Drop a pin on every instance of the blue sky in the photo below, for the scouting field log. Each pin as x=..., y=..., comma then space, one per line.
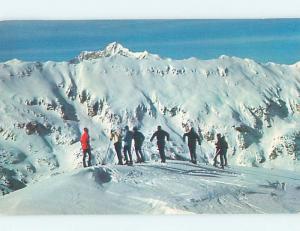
x=263, y=40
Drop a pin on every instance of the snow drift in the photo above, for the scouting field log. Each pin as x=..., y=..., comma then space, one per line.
x=177, y=187
x=44, y=106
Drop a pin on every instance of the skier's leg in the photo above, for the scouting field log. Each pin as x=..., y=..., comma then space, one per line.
x=118, y=148
x=129, y=153
x=142, y=154
x=125, y=153
x=162, y=153
x=191, y=153
x=215, y=158
x=225, y=157
x=89, y=157
x=83, y=159
x=194, y=153
x=222, y=160
x=136, y=148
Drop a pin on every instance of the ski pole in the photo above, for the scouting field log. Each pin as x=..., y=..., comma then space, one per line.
x=216, y=156
x=132, y=149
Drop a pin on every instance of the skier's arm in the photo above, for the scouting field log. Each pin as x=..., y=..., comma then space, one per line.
x=155, y=133
x=198, y=138
x=218, y=144
x=168, y=136
x=225, y=144
x=184, y=135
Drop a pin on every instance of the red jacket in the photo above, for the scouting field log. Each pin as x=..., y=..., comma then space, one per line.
x=85, y=141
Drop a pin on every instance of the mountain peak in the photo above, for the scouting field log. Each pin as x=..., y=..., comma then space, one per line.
x=110, y=50
x=114, y=48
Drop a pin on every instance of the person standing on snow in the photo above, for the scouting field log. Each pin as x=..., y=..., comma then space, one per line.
x=221, y=149
x=138, y=138
x=86, y=148
x=128, y=135
x=224, y=145
x=193, y=137
x=161, y=135
x=116, y=138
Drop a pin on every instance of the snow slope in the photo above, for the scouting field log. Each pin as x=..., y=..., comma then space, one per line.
x=44, y=107
x=177, y=187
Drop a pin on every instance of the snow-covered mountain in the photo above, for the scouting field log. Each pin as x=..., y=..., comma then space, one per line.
x=45, y=106
x=112, y=49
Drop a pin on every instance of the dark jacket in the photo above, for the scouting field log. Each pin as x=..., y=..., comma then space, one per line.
x=138, y=138
x=224, y=144
x=128, y=138
x=193, y=137
x=221, y=145
x=160, y=136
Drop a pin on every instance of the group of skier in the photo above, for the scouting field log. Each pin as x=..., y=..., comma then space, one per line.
x=117, y=136
x=128, y=136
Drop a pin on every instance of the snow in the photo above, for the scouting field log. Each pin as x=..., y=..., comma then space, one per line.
x=111, y=50
x=45, y=106
x=177, y=187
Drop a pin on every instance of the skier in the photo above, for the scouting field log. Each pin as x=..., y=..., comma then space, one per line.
x=86, y=148
x=193, y=137
x=128, y=135
x=224, y=145
x=221, y=150
x=116, y=138
x=138, y=138
x=160, y=136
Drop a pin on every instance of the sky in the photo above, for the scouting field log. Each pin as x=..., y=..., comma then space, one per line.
x=155, y=9
x=262, y=40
